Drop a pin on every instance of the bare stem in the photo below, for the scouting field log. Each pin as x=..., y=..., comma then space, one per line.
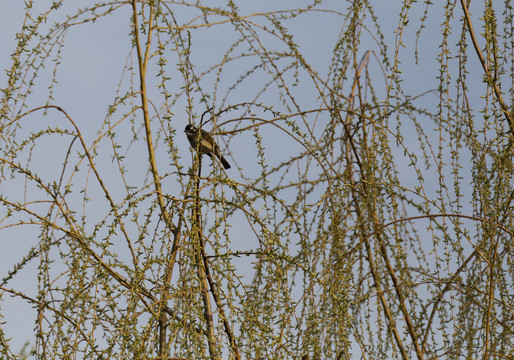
x=211, y=338
x=143, y=63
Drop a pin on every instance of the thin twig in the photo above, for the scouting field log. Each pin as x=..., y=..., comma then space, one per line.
x=492, y=81
x=143, y=63
x=211, y=338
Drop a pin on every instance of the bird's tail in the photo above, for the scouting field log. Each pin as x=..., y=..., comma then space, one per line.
x=224, y=162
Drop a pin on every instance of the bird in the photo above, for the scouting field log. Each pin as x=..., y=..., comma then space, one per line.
x=207, y=144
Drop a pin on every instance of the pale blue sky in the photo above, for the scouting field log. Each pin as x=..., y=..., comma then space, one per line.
x=92, y=62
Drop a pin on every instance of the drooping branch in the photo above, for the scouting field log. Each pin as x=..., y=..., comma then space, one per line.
x=490, y=78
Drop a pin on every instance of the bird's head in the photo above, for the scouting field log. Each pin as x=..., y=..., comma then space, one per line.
x=190, y=129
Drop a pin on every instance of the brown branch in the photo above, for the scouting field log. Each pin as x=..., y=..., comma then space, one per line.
x=490, y=302
x=114, y=207
x=440, y=297
x=362, y=225
x=492, y=80
x=214, y=292
x=41, y=305
x=430, y=216
x=211, y=338
x=204, y=274
x=143, y=62
x=397, y=287
x=74, y=234
x=365, y=239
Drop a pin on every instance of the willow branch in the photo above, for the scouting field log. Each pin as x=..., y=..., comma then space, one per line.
x=490, y=78
x=211, y=338
x=214, y=292
x=371, y=260
x=143, y=63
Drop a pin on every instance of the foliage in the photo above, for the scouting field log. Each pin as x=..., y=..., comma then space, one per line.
x=367, y=214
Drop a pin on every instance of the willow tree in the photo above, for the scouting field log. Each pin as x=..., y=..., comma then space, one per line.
x=368, y=209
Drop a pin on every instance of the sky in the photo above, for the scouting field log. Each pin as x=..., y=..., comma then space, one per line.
x=91, y=69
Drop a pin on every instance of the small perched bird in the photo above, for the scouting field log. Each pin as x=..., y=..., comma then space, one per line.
x=207, y=144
